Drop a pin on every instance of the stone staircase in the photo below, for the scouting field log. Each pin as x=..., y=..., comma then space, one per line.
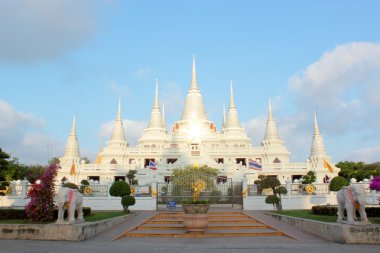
x=220, y=224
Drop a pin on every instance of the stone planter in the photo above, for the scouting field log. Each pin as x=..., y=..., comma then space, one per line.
x=195, y=218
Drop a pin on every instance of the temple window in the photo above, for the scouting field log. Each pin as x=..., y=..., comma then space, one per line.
x=119, y=178
x=242, y=160
x=276, y=160
x=113, y=161
x=171, y=160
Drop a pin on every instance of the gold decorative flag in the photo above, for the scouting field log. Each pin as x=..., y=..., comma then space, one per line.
x=328, y=166
x=72, y=171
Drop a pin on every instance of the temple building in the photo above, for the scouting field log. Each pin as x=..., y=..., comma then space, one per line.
x=194, y=140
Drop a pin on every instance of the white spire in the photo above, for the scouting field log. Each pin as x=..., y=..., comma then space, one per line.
x=163, y=115
x=156, y=106
x=224, y=116
x=270, y=115
x=317, y=145
x=233, y=117
x=118, y=127
x=194, y=85
x=194, y=109
x=271, y=129
x=232, y=100
x=156, y=117
x=72, y=146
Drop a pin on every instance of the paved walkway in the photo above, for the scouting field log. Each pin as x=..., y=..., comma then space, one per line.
x=104, y=243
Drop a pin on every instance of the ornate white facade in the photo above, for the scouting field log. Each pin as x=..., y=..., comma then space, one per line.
x=194, y=140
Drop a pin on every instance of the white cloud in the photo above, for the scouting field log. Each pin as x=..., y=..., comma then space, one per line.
x=38, y=30
x=171, y=95
x=343, y=86
x=23, y=136
x=143, y=73
x=369, y=155
x=133, y=130
x=255, y=128
x=119, y=89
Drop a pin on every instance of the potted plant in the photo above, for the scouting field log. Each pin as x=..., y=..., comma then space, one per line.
x=195, y=218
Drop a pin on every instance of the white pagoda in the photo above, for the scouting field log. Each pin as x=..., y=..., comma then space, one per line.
x=194, y=140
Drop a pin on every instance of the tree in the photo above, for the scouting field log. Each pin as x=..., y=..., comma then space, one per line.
x=358, y=170
x=122, y=189
x=187, y=176
x=3, y=164
x=274, y=184
x=86, y=160
x=54, y=160
x=131, y=177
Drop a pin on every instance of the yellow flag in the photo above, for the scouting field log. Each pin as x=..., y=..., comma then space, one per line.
x=72, y=171
x=196, y=165
x=328, y=166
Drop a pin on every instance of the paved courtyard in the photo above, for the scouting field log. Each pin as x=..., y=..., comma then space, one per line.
x=302, y=242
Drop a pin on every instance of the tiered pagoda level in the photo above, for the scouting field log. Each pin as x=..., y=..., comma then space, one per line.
x=193, y=140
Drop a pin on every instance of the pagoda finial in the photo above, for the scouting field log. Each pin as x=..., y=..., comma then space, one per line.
x=232, y=101
x=316, y=128
x=194, y=85
x=74, y=126
x=119, y=110
x=270, y=115
x=156, y=106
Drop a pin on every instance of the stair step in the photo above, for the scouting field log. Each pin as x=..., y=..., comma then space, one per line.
x=187, y=235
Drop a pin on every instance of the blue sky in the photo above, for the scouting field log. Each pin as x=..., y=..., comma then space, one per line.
x=60, y=58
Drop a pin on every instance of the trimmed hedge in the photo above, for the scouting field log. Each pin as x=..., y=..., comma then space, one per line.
x=333, y=210
x=7, y=214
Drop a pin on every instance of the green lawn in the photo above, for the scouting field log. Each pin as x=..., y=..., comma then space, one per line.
x=95, y=216
x=307, y=214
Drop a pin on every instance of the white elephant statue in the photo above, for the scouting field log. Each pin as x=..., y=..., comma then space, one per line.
x=71, y=200
x=352, y=198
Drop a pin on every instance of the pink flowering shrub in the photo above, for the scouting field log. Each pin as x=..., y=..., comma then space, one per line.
x=375, y=184
x=41, y=205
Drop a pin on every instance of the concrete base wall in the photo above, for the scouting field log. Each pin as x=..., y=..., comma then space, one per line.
x=336, y=232
x=76, y=232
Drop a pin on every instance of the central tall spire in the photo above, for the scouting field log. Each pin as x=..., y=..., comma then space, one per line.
x=194, y=108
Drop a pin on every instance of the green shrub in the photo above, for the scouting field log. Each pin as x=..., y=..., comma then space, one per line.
x=84, y=182
x=6, y=214
x=127, y=201
x=71, y=186
x=5, y=183
x=309, y=178
x=333, y=210
x=272, y=199
x=120, y=189
x=337, y=183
